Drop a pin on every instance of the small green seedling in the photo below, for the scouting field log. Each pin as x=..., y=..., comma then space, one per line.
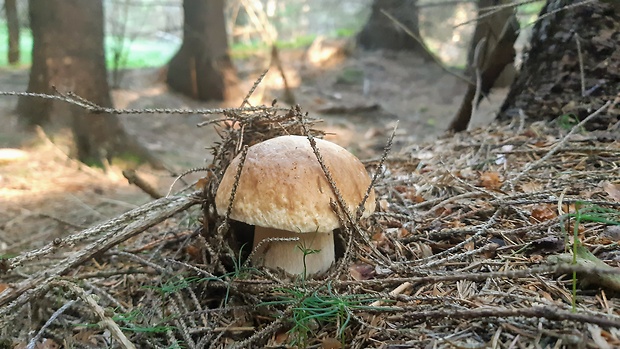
x=568, y=121
x=319, y=308
x=585, y=212
x=306, y=251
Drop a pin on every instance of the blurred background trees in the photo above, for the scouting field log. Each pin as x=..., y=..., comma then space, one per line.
x=197, y=43
x=12, y=25
x=68, y=56
x=380, y=32
x=202, y=68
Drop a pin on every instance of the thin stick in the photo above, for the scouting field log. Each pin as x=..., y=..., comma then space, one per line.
x=419, y=40
x=33, y=342
x=458, y=246
x=478, y=69
x=99, y=109
x=582, y=76
x=98, y=310
x=398, y=290
x=246, y=100
x=233, y=191
x=546, y=312
x=135, y=179
x=378, y=172
x=185, y=173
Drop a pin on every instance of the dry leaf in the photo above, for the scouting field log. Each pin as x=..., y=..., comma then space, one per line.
x=536, y=258
x=281, y=337
x=613, y=190
x=85, y=336
x=402, y=233
x=443, y=210
x=546, y=295
x=401, y=188
x=546, y=245
x=569, y=208
x=570, y=228
x=490, y=180
x=391, y=223
x=531, y=187
x=425, y=250
x=202, y=183
x=45, y=344
x=384, y=205
x=362, y=271
x=414, y=197
x=194, y=252
x=541, y=213
x=470, y=245
x=330, y=343
x=378, y=237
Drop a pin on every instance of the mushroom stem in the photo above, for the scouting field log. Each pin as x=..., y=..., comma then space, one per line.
x=288, y=256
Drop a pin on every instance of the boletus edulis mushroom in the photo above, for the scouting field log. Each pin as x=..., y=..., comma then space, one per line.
x=284, y=193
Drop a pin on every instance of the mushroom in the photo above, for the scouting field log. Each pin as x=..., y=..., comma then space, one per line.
x=284, y=193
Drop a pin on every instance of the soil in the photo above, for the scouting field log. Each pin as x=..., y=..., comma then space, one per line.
x=44, y=194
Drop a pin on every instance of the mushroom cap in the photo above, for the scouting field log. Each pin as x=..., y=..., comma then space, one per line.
x=282, y=185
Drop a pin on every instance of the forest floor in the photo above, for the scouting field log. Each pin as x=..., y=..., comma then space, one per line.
x=45, y=194
x=467, y=247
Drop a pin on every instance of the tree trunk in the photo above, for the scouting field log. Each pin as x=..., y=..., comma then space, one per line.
x=381, y=32
x=68, y=55
x=489, y=28
x=550, y=82
x=491, y=57
x=202, y=68
x=12, y=23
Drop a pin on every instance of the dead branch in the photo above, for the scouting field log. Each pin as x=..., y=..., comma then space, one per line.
x=107, y=322
x=93, y=108
x=116, y=231
x=289, y=97
x=546, y=312
x=135, y=179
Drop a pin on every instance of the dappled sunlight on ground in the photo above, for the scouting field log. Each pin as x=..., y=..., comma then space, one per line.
x=44, y=195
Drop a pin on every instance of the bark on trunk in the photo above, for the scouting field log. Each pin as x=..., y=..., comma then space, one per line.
x=68, y=55
x=550, y=83
x=202, y=68
x=12, y=23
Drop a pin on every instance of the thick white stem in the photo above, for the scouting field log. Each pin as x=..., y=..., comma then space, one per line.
x=288, y=256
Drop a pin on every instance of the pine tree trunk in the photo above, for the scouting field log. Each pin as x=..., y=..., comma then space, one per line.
x=12, y=23
x=202, y=68
x=489, y=28
x=550, y=82
x=68, y=55
x=381, y=32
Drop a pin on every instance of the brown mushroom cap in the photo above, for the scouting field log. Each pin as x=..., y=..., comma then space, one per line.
x=282, y=185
